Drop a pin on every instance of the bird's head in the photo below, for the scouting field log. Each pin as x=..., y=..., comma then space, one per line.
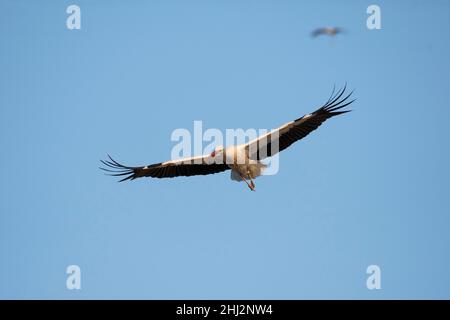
x=217, y=151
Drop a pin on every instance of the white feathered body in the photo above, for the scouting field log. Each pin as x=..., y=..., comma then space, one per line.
x=241, y=165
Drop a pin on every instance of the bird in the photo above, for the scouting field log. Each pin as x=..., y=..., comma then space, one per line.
x=244, y=160
x=330, y=31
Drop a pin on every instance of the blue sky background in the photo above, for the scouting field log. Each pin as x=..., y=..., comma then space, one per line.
x=368, y=188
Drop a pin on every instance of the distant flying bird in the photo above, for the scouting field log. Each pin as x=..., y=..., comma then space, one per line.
x=329, y=31
x=244, y=160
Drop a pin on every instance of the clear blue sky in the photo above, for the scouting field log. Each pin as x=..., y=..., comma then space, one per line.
x=370, y=187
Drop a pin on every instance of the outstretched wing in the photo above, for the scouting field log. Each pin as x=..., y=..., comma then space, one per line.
x=183, y=167
x=318, y=32
x=287, y=134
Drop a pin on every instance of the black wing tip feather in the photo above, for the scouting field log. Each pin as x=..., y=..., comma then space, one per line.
x=117, y=169
x=333, y=104
x=337, y=102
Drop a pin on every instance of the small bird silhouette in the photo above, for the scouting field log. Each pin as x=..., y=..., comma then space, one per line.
x=329, y=31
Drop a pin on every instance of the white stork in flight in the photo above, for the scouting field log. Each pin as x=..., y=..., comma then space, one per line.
x=244, y=160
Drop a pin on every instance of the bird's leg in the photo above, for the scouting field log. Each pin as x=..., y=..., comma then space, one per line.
x=251, y=180
x=250, y=186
